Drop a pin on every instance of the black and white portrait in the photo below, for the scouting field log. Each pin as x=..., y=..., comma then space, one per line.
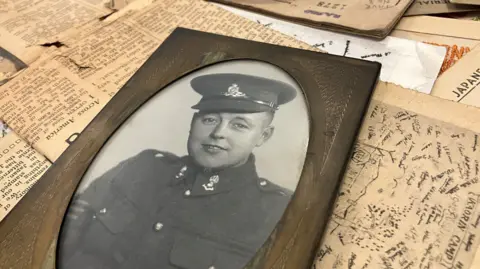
x=197, y=178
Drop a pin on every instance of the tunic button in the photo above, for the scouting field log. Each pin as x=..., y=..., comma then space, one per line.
x=263, y=183
x=158, y=226
x=187, y=192
x=211, y=267
x=103, y=211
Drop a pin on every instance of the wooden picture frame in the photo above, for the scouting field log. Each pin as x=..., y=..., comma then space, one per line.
x=9, y=66
x=337, y=91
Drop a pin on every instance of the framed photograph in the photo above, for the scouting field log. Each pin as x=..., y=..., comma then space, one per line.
x=219, y=153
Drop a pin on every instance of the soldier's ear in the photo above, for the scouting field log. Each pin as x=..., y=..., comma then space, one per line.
x=266, y=134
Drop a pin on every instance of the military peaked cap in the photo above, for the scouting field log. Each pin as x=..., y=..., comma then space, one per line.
x=241, y=93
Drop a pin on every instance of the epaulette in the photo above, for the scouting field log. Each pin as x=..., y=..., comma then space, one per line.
x=164, y=155
x=267, y=186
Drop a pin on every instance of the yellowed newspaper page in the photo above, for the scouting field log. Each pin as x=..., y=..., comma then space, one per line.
x=16, y=5
x=126, y=43
x=52, y=101
x=46, y=104
x=44, y=21
x=410, y=195
x=20, y=5
x=28, y=29
x=21, y=167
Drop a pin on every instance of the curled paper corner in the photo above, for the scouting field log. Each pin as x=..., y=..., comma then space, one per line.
x=430, y=67
x=427, y=52
x=413, y=65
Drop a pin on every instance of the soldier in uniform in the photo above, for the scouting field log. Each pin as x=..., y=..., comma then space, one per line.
x=206, y=210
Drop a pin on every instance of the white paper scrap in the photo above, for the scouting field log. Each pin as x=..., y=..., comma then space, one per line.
x=410, y=64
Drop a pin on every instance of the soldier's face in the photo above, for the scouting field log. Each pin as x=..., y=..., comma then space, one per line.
x=219, y=140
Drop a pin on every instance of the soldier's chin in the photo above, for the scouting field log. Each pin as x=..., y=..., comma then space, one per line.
x=210, y=163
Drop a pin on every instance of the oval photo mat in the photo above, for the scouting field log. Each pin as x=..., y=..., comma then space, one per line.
x=31, y=230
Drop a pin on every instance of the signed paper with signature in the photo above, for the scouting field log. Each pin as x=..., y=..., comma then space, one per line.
x=411, y=193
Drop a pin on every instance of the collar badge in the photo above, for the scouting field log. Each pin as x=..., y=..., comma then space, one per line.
x=210, y=186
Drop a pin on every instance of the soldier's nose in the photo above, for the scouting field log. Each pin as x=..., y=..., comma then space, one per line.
x=219, y=131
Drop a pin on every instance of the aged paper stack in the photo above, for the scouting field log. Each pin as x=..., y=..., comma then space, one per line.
x=410, y=194
x=422, y=7
x=471, y=2
x=336, y=15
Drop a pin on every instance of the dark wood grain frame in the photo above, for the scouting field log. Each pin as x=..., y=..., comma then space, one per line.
x=337, y=91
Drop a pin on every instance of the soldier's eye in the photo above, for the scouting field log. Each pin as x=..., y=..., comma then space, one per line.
x=240, y=126
x=209, y=120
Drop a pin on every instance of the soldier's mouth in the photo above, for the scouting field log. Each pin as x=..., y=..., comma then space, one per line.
x=213, y=148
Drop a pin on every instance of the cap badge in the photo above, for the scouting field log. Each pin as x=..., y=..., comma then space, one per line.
x=234, y=91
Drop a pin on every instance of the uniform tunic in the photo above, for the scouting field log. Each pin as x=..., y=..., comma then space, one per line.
x=156, y=210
